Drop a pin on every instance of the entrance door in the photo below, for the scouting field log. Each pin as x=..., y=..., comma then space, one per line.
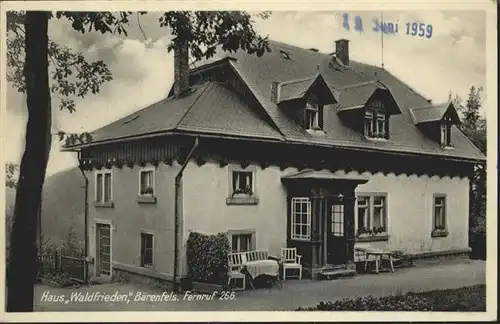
x=336, y=240
x=103, y=249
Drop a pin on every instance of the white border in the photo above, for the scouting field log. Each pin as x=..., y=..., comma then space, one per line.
x=491, y=104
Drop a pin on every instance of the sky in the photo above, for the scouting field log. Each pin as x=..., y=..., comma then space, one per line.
x=452, y=59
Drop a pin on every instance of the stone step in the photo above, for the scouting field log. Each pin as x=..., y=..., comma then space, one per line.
x=333, y=274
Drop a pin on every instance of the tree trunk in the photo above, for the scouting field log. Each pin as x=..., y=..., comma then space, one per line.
x=22, y=267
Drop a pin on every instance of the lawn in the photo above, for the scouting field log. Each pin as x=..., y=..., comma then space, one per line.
x=472, y=298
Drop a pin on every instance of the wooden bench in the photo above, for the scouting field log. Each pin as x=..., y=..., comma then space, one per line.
x=256, y=255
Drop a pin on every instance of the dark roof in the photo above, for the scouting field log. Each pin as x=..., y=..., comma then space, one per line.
x=297, y=89
x=210, y=108
x=356, y=95
x=294, y=89
x=432, y=113
x=202, y=112
x=259, y=72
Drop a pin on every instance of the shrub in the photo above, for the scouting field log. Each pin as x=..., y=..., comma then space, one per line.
x=463, y=299
x=207, y=257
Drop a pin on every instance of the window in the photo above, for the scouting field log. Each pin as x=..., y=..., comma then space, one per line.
x=301, y=219
x=312, y=115
x=146, y=250
x=241, y=242
x=147, y=182
x=439, y=212
x=375, y=124
x=285, y=55
x=445, y=134
x=371, y=214
x=243, y=183
x=338, y=220
x=103, y=188
x=380, y=127
x=369, y=123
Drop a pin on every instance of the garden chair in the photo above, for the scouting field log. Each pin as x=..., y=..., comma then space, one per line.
x=236, y=262
x=291, y=260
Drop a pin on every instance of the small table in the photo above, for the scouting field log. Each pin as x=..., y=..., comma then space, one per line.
x=378, y=254
x=253, y=269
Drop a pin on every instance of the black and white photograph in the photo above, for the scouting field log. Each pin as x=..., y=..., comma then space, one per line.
x=235, y=157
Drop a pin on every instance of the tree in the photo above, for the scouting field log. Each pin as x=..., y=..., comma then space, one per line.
x=29, y=52
x=474, y=127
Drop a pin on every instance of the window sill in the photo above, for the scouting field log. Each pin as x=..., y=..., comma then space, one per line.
x=107, y=204
x=376, y=139
x=439, y=233
x=319, y=132
x=239, y=200
x=373, y=238
x=146, y=199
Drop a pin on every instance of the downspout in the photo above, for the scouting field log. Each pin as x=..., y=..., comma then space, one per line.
x=178, y=179
x=86, y=216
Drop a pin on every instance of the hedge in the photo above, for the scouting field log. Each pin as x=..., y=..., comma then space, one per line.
x=463, y=299
x=207, y=257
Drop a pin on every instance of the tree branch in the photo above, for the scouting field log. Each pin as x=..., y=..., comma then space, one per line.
x=140, y=27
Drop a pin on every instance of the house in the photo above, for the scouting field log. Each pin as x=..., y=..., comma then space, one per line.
x=296, y=148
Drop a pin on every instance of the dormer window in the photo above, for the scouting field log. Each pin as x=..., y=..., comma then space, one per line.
x=313, y=111
x=375, y=124
x=445, y=131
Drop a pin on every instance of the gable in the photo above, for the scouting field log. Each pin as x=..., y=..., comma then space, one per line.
x=434, y=113
x=302, y=88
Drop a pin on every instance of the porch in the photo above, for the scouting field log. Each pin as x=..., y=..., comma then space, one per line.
x=320, y=220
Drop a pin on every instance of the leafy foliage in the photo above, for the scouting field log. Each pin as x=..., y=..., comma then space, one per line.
x=205, y=30
x=11, y=175
x=72, y=75
x=207, y=257
x=462, y=299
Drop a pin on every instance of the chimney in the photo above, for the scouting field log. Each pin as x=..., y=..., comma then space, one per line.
x=275, y=92
x=181, y=69
x=342, y=50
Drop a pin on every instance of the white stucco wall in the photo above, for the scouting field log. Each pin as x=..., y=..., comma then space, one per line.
x=410, y=198
x=129, y=218
x=205, y=190
x=410, y=211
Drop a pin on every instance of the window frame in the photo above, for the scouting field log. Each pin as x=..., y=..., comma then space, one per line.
x=149, y=233
x=369, y=217
x=445, y=129
x=443, y=231
x=243, y=232
x=312, y=108
x=143, y=170
x=103, y=186
x=380, y=133
x=293, y=223
x=368, y=120
x=242, y=199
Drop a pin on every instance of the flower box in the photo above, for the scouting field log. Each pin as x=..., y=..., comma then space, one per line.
x=439, y=233
x=146, y=199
